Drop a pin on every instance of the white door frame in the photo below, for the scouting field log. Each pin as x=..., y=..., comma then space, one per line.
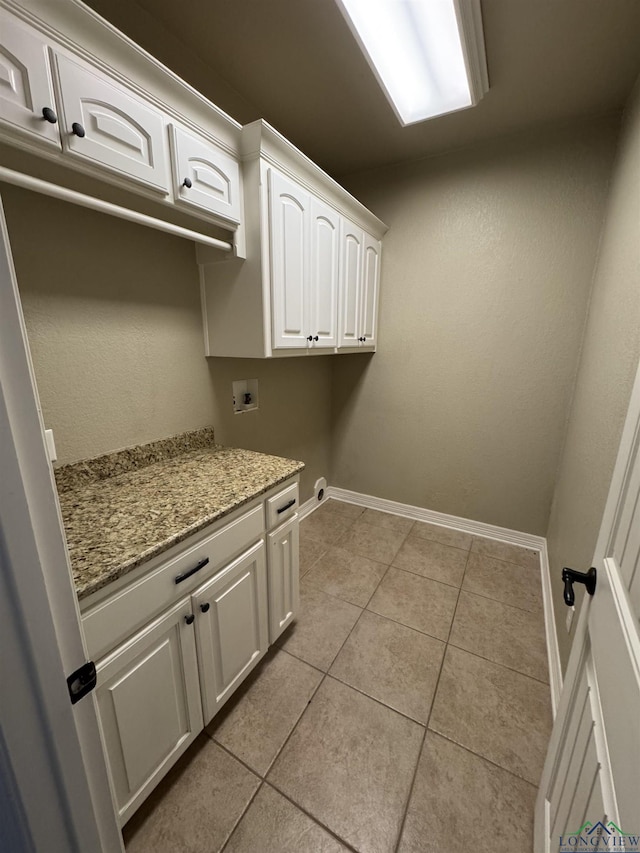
x=54, y=785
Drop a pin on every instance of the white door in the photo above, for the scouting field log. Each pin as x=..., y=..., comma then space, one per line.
x=148, y=699
x=289, y=243
x=26, y=95
x=104, y=123
x=231, y=627
x=351, y=251
x=284, y=592
x=51, y=758
x=370, y=288
x=589, y=795
x=204, y=176
x=323, y=285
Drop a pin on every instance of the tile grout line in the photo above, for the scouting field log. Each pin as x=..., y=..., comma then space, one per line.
x=426, y=727
x=499, y=663
x=237, y=823
x=484, y=758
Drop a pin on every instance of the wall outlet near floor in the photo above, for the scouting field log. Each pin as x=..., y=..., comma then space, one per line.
x=245, y=395
x=570, y=615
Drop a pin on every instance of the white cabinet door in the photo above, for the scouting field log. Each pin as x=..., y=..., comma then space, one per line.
x=25, y=85
x=231, y=627
x=104, y=123
x=289, y=244
x=148, y=701
x=284, y=587
x=204, y=176
x=369, y=292
x=323, y=284
x=351, y=256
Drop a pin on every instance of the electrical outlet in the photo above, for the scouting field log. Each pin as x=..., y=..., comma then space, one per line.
x=570, y=615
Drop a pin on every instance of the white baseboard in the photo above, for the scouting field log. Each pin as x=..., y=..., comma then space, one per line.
x=477, y=528
x=308, y=507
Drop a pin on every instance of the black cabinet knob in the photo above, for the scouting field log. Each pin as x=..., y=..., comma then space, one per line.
x=204, y=607
x=316, y=338
x=189, y=619
x=309, y=338
x=49, y=115
x=187, y=183
x=78, y=129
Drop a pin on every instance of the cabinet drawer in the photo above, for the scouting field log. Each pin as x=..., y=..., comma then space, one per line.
x=118, y=616
x=282, y=506
x=117, y=130
x=204, y=176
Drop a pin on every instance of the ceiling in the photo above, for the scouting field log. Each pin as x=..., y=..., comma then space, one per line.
x=296, y=64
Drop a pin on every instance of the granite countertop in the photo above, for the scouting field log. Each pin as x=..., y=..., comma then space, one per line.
x=124, y=508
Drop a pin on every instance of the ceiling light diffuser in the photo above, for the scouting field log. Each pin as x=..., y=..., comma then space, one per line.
x=428, y=55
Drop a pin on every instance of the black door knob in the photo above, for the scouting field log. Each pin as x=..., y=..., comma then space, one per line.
x=187, y=183
x=189, y=619
x=49, y=115
x=571, y=576
x=78, y=129
x=204, y=607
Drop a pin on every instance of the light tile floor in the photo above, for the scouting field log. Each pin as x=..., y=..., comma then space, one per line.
x=406, y=710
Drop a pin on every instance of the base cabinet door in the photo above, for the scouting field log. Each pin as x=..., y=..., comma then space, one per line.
x=284, y=586
x=231, y=627
x=148, y=700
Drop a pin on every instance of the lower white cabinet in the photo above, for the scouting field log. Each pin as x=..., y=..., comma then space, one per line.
x=148, y=699
x=235, y=590
x=231, y=627
x=284, y=588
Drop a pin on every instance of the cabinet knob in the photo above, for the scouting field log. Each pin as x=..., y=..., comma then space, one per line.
x=316, y=338
x=189, y=619
x=78, y=129
x=309, y=338
x=204, y=607
x=188, y=183
x=49, y=115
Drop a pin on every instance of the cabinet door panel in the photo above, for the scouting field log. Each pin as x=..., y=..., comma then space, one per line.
x=351, y=250
x=121, y=132
x=370, y=289
x=214, y=176
x=284, y=586
x=25, y=86
x=323, y=286
x=148, y=701
x=289, y=239
x=232, y=629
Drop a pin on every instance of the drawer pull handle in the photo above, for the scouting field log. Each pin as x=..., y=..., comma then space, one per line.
x=196, y=568
x=287, y=506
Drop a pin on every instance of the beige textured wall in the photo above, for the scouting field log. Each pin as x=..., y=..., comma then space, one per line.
x=114, y=323
x=486, y=272
x=607, y=368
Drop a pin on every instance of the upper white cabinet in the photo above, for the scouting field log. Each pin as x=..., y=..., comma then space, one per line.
x=92, y=101
x=204, y=176
x=323, y=275
x=359, y=286
x=289, y=209
x=26, y=94
x=104, y=123
x=311, y=277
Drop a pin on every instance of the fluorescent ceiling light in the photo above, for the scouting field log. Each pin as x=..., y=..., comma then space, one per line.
x=428, y=55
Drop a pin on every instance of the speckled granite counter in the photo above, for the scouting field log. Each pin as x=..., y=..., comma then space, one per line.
x=122, y=509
